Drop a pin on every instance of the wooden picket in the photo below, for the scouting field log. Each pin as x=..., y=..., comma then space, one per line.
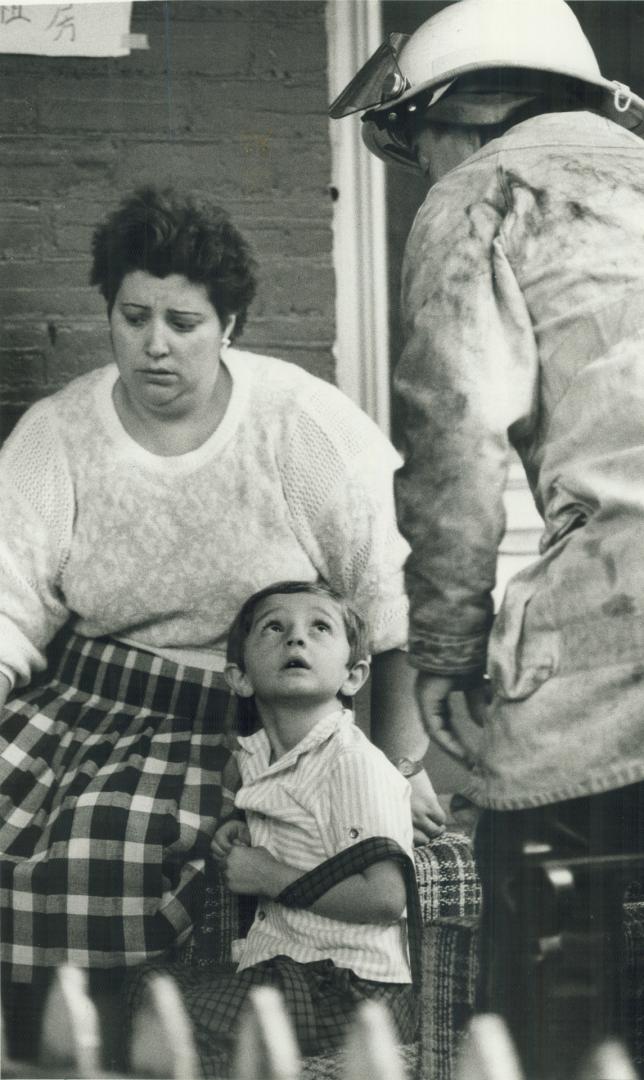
x=371, y=1052
x=162, y=1045
x=609, y=1060
x=488, y=1052
x=70, y=1028
x=266, y=1048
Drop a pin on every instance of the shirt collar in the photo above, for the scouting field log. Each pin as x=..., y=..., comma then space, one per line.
x=258, y=744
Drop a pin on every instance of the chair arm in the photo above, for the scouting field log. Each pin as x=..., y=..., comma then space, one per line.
x=449, y=887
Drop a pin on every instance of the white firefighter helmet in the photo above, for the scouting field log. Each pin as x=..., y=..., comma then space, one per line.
x=466, y=37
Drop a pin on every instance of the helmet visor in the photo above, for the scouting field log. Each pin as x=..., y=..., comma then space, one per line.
x=380, y=80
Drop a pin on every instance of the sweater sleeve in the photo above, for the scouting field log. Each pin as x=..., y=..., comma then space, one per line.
x=36, y=496
x=338, y=483
x=466, y=380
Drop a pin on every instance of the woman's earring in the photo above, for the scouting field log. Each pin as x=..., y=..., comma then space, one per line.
x=225, y=342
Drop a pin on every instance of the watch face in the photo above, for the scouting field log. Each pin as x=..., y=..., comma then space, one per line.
x=407, y=767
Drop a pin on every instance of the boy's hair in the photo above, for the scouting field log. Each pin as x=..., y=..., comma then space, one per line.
x=354, y=624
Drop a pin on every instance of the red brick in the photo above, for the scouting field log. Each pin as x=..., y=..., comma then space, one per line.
x=251, y=161
x=320, y=363
x=79, y=348
x=287, y=331
x=18, y=115
x=285, y=241
x=22, y=230
x=10, y=413
x=46, y=276
x=122, y=114
x=33, y=166
x=300, y=287
x=20, y=369
x=27, y=335
x=59, y=300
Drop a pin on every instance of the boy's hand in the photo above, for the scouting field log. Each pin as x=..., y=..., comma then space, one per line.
x=231, y=832
x=254, y=871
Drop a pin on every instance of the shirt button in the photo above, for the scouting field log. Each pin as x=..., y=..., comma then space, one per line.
x=354, y=833
x=261, y=915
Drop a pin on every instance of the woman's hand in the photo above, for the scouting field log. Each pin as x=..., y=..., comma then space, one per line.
x=396, y=727
x=231, y=832
x=5, y=687
x=427, y=813
x=254, y=871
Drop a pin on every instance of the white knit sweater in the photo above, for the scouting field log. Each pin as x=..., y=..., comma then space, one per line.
x=295, y=482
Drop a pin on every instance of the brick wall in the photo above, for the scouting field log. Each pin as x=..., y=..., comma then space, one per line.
x=229, y=99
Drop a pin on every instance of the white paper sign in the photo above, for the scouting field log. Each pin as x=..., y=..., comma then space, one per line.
x=80, y=29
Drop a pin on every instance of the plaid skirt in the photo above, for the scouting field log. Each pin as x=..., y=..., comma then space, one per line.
x=110, y=791
x=320, y=998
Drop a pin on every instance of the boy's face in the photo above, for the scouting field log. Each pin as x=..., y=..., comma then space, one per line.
x=297, y=648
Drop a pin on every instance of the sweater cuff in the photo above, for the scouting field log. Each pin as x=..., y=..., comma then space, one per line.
x=19, y=659
x=389, y=624
x=449, y=654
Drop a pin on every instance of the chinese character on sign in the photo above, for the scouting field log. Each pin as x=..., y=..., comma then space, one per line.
x=82, y=28
x=11, y=13
x=62, y=21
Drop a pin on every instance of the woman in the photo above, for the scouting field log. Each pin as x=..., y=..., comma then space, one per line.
x=142, y=503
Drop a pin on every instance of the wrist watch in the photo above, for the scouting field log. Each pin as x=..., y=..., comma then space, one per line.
x=409, y=768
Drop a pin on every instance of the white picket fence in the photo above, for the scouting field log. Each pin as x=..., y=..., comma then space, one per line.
x=162, y=1046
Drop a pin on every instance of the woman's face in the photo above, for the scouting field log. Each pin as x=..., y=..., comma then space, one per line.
x=166, y=337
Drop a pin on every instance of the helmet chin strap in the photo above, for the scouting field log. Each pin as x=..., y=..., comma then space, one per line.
x=622, y=98
x=627, y=108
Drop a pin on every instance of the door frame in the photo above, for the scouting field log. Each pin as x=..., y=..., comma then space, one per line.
x=361, y=350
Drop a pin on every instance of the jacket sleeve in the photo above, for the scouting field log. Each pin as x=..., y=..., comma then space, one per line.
x=466, y=379
x=37, y=509
x=337, y=475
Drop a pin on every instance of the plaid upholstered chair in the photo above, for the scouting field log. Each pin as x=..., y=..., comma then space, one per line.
x=450, y=902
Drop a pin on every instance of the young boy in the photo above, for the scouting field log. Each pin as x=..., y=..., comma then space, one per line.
x=327, y=842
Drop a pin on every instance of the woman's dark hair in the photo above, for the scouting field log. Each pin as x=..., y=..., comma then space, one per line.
x=247, y=718
x=164, y=232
